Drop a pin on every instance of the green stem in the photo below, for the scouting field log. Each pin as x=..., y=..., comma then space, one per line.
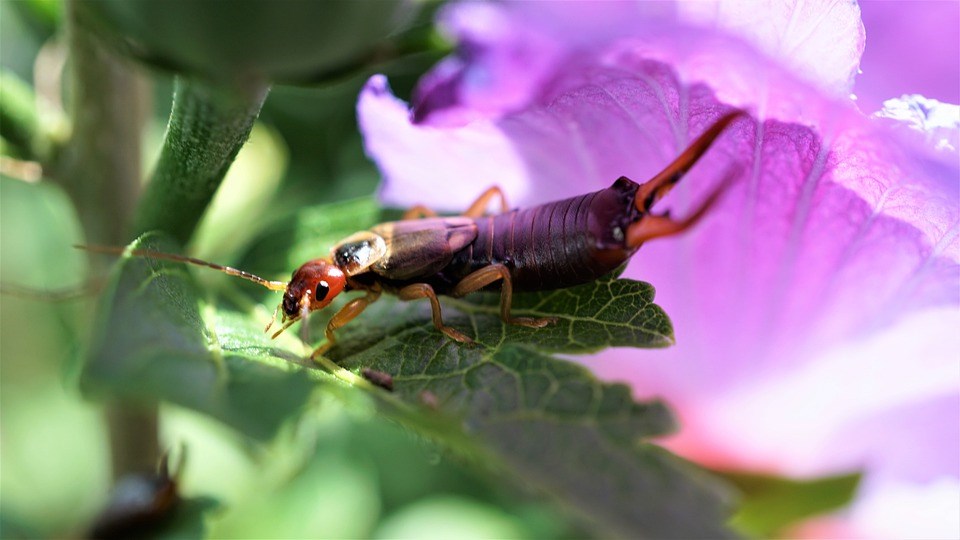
x=208, y=125
x=100, y=165
x=134, y=438
x=99, y=168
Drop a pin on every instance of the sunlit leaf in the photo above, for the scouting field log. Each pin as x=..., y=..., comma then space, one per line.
x=152, y=343
x=543, y=421
x=771, y=504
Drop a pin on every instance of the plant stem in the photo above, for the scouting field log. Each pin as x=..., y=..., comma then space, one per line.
x=134, y=438
x=100, y=170
x=100, y=165
x=208, y=125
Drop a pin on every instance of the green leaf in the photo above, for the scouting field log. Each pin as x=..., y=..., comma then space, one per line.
x=547, y=421
x=19, y=122
x=208, y=125
x=770, y=504
x=544, y=422
x=188, y=519
x=307, y=234
x=152, y=343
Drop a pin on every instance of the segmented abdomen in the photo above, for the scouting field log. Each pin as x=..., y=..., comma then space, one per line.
x=555, y=245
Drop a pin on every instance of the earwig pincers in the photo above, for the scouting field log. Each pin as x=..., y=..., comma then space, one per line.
x=551, y=246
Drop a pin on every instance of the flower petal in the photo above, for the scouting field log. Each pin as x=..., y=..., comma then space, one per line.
x=793, y=32
x=424, y=164
x=873, y=238
x=912, y=47
x=507, y=51
x=816, y=300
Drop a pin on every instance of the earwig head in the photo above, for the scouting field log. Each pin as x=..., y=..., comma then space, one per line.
x=317, y=282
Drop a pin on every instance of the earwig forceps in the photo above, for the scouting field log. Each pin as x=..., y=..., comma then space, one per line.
x=555, y=245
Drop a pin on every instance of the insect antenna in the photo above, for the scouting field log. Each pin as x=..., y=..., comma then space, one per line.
x=272, y=285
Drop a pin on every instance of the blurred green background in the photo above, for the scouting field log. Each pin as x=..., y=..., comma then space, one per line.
x=339, y=470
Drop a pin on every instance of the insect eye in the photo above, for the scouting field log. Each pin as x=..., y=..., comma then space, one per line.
x=322, y=289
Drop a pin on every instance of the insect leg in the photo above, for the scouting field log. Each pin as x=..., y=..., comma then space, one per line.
x=419, y=211
x=489, y=274
x=423, y=290
x=346, y=314
x=477, y=209
x=479, y=206
x=654, y=189
x=273, y=319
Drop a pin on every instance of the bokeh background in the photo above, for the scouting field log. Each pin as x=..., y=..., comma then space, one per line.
x=334, y=473
x=342, y=471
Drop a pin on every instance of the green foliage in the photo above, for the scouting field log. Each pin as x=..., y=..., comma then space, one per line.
x=51, y=444
x=187, y=520
x=151, y=343
x=208, y=126
x=19, y=124
x=771, y=504
x=545, y=422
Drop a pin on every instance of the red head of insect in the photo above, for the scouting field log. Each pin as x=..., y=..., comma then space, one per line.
x=313, y=286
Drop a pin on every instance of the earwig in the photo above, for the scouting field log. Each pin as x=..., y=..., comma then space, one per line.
x=551, y=246
x=141, y=504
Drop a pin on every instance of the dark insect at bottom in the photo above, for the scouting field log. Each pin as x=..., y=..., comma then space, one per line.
x=140, y=505
x=554, y=245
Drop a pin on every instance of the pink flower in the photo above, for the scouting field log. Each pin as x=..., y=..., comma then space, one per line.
x=816, y=309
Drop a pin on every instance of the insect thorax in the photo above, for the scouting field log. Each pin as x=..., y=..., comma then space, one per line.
x=358, y=252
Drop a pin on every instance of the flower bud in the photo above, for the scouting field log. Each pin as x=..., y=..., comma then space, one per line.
x=284, y=41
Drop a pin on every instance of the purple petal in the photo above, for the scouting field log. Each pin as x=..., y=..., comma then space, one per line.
x=417, y=161
x=816, y=244
x=912, y=47
x=507, y=51
x=815, y=308
x=821, y=41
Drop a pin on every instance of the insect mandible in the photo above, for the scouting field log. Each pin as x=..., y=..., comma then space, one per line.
x=551, y=246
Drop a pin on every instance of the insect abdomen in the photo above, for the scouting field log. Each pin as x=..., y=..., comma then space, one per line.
x=555, y=245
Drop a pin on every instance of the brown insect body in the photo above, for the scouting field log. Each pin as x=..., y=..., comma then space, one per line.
x=551, y=246
x=420, y=248
x=554, y=245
